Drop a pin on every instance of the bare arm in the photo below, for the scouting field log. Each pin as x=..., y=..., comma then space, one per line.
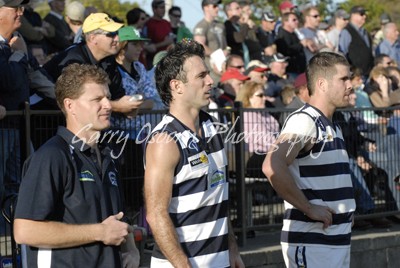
x=162, y=156
x=125, y=106
x=275, y=167
x=234, y=254
x=202, y=40
x=50, y=234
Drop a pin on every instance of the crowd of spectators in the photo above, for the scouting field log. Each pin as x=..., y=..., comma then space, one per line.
x=266, y=56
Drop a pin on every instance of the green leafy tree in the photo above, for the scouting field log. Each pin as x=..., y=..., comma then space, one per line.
x=115, y=8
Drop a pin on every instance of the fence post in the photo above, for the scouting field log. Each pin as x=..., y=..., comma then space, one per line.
x=28, y=129
x=240, y=174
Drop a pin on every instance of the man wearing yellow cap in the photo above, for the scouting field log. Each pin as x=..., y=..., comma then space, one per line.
x=101, y=40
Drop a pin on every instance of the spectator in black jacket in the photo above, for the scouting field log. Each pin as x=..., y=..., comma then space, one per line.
x=266, y=34
x=101, y=45
x=356, y=43
x=290, y=45
x=63, y=37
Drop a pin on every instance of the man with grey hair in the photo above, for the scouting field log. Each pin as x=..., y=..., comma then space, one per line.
x=390, y=44
x=63, y=37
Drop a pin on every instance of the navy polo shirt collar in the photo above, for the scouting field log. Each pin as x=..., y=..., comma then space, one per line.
x=72, y=139
x=79, y=144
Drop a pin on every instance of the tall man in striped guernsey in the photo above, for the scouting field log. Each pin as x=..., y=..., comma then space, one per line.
x=310, y=171
x=186, y=188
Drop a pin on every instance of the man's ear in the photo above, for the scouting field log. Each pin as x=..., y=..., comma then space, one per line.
x=69, y=106
x=176, y=86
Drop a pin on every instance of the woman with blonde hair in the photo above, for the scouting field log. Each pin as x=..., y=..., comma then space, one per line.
x=379, y=87
x=260, y=127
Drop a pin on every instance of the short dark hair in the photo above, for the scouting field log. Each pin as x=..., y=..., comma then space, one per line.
x=133, y=15
x=230, y=58
x=171, y=66
x=174, y=8
x=69, y=84
x=379, y=58
x=323, y=64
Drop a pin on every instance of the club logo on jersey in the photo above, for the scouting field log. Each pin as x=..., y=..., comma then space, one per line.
x=192, y=145
x=113, y=178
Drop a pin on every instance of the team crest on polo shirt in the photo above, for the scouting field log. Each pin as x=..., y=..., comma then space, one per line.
x=86, y=175
x=113, y=178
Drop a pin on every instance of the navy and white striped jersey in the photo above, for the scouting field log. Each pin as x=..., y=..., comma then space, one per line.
x=199, y=201
x=323, y=174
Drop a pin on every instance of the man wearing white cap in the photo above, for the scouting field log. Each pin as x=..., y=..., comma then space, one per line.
x=63, y=37
x=14, y=91
x=266, y=34
x=277, y=78
x=74, y=16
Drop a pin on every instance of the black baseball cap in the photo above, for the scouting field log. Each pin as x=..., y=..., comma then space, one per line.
x=358, y=9
x=210, y=2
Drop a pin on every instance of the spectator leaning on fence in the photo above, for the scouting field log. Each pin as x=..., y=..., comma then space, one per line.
x=69, y=207
x=310, y=171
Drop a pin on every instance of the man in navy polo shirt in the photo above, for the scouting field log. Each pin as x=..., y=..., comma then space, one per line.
x=69, y=210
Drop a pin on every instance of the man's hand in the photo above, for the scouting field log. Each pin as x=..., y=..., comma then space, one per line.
x=18, y=44
x=236, y=261
x=126, y=106
x=321, y=213
x=115, y=231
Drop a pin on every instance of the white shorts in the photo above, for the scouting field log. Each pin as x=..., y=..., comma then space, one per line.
x=315, y=257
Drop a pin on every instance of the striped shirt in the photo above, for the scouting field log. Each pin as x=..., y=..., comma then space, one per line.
x=323, y=175
x=199, y=201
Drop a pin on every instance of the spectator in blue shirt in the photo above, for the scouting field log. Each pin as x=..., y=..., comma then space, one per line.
x=136, y=82
x=390, y=44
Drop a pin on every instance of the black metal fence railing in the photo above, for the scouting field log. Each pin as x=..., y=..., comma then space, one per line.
x=371, y=137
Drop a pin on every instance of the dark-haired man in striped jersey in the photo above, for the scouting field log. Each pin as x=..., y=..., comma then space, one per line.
x=310, y=170
x=186, y=187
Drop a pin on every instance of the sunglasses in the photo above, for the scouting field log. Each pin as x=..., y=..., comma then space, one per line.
x=110, y=34
x=178, y=16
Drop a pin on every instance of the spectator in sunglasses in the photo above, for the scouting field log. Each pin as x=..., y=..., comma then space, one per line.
x=355, y=42
x=178, y=27
x=260, y=126
x=101, y=41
